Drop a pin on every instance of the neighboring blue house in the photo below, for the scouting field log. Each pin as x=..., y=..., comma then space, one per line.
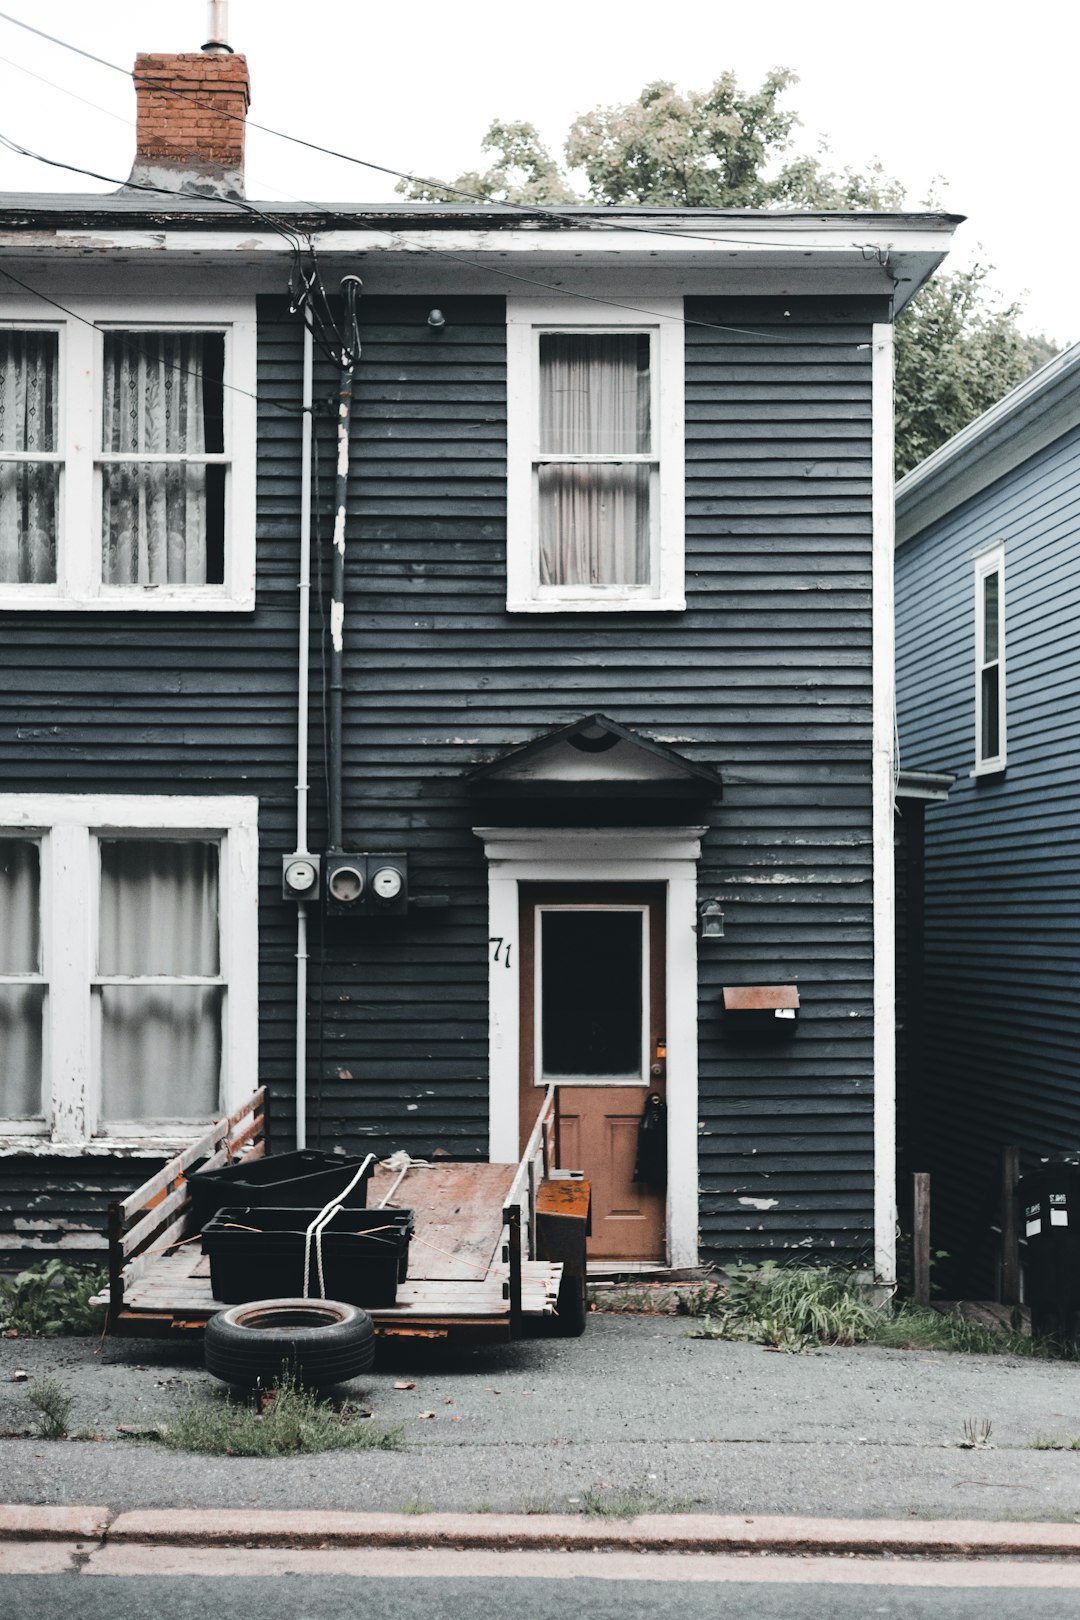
x=600, y=651
x=988, y=685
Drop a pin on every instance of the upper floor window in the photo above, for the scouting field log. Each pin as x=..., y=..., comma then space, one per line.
x=127, y=458
x=990, y=661
x=595, y=458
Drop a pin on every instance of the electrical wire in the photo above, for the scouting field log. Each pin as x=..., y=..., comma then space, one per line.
x=325, y=327
x=135, y=348
x=531, y=210
x=40, y=77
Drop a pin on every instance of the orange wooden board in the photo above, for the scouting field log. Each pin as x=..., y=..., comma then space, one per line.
x=458, y=1212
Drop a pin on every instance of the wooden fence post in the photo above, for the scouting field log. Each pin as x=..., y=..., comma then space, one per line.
x=920, y=1238
x=1010, y=1227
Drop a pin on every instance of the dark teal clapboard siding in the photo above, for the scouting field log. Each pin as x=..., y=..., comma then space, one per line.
x=1002, y=1025
x=767, y=675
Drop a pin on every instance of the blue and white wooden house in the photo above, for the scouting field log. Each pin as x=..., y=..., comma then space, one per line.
x=614, y=636
x=988, y=690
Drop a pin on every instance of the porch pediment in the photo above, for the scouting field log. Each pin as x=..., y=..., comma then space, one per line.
x=594, y=758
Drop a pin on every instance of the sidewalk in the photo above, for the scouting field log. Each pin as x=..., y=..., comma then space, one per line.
x=635, y=1418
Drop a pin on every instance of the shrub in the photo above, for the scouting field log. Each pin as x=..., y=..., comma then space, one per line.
x=52, y=1298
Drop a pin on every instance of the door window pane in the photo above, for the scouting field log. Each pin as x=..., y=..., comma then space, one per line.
x=591, y=994
x=29, y=490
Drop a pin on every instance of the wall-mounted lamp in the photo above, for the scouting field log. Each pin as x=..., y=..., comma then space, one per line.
x=710, y=920
x=436, y=319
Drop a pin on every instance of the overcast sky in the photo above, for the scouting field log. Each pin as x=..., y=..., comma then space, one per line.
x=984, y=98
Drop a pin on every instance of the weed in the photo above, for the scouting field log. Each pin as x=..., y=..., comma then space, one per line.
x=417, y=1504
x=976, y=1434
x=52, y=1298
x=291, y=1419
x=1047, y=1442
x=790, y=1308
x=911, y=1327
x=640, y=1299
x=603, y=1502
x=53, y=1407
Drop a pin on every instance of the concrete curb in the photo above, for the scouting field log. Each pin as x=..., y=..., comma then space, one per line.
x=19, y=1522
x=236, y=1527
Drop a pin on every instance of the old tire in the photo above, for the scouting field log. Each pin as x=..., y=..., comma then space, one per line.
x=319, y=1341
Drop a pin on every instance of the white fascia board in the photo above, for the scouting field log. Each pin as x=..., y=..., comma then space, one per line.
x=1042, y=408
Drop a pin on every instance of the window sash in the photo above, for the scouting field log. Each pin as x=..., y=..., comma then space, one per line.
x=529, y=453
x=81, y=572
x=990, y=740
x=69, y=827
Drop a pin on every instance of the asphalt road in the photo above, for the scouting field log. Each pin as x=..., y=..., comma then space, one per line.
x=48, y=1597
x=635, y=1412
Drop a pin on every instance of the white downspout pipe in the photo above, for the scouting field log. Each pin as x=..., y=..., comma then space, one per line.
x=302, y=682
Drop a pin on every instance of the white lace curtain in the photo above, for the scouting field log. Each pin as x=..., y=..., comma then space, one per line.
x=595, y=396
x=155, y=513
x=20, y=1004
x=158, y=916
x=29, y=490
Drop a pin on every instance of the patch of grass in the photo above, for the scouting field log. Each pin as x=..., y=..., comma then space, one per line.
x=790, y=1308
x=52, y=1298
x=604, y=1502
x=796, y=1308
x=53, y=1406
x=275, y=1423
x=1048, y=1442
x=641, y=1299
x=417, y=1504
x=912, y=1327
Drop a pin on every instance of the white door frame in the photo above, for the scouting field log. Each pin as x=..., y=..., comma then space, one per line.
x=666, y=855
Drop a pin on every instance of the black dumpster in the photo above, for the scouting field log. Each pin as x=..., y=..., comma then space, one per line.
x=1050, y=1224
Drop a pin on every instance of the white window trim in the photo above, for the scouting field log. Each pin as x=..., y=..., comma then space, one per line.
x=68, y=826
x=79, y=542
x=640, y=1080
x=989, y=562
x=526, y=318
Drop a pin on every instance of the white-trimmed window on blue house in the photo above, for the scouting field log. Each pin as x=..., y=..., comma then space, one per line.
x=595, y=457
x=990, y=661
x=128, y=979
x=127, y=455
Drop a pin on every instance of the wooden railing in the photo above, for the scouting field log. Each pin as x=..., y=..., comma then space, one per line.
x=156, y=1214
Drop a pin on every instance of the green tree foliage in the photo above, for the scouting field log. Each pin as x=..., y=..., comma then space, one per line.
x=958, y=348
x=958, y=351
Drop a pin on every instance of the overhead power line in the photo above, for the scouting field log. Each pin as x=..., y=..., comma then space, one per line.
x=530, y=210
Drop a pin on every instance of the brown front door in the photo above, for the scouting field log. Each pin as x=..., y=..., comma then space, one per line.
x=593, y=1024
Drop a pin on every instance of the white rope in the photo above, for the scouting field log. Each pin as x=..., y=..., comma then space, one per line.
x=314, y=1233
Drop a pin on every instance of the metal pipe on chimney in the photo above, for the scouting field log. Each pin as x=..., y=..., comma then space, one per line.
x=217, y=28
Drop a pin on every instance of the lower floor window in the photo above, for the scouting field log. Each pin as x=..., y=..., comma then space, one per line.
x=127, y=978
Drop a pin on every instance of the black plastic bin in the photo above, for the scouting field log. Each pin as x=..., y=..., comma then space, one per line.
x=1050, y=1224
x=259, y=1254
x=302, y=1180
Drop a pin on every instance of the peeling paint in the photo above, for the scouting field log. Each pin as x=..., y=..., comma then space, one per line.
x=339, y=529
x=760, y=1203
x=337, y=624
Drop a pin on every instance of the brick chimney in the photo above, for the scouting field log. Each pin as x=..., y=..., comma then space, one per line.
x=190, y=128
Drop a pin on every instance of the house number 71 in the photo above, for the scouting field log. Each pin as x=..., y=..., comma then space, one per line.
x=501, y=946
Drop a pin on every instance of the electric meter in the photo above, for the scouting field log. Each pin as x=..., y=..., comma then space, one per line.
x=387, y=883
x=300, y=877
